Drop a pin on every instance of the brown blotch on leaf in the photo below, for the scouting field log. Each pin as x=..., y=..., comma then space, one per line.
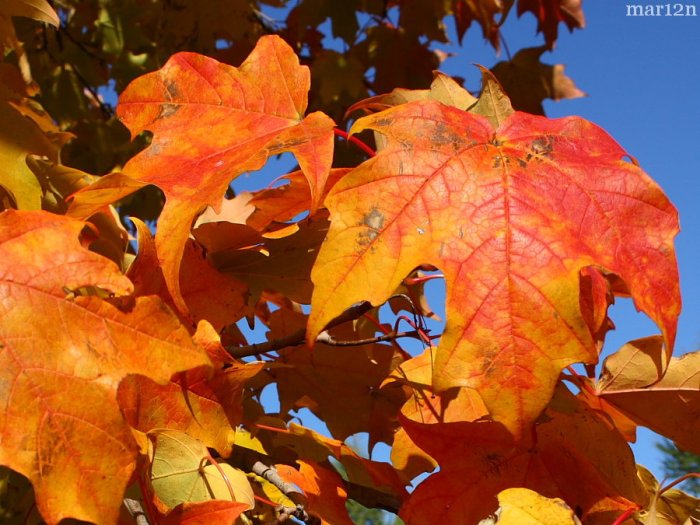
x=167, y=110
x=374, y=220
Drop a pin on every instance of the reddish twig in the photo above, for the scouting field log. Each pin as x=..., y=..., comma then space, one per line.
x=623, y=517
x=679, y=480
x=423, y=278
x=580, y=381
x=357, y=142
x=271, y=429
x=223, y=475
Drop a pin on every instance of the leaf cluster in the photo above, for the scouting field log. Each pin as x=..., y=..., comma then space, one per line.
x=130, y=383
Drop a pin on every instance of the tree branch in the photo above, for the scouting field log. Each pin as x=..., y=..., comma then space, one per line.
x=136, y=510
x=326, y=338
x=298, y=337
x=288, y=489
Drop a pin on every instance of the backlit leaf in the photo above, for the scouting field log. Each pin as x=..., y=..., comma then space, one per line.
x=212, y=122
x=574, y=455
x=511, y=215
x=62, y=357
x=664, y=399
x=672, y=507
x=339, y=384
x=526, y=507
x=180, y=473
x=528, y=81
x=197, y=279
x=19, y=137
x=550, y=12
x=37, y=9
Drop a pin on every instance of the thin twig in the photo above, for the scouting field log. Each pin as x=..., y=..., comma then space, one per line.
x=357, y=142
x=294, y=339
x=270, y=474
x=284, y=513
x=298, y=337
x=326, y=338
x=136, y=510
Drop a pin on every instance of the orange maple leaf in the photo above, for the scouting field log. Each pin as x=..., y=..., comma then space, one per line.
x=62, y=356
x=212, y=122
x=512, y=208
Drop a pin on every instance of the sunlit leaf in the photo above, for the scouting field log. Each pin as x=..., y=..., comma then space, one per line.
x=210, y=123
x=636, y=381
x=63, y=356
x=526, y=507
x=511, y=215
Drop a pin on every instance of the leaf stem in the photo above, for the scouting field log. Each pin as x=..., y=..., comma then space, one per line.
x=357, y=142
x=679, y=480
x=223, y=475
x=422, y=279
x=622, y=517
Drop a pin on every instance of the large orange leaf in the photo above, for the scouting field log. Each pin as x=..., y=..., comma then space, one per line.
x=61, y=360
x=573, y=455
x=663, y=398
x=210, y=123
x=512, y=209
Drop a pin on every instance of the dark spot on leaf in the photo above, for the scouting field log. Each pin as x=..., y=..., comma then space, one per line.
x=443, y=135
x=374, y=220
x=167, y=110
x=542, y=146
x=172, y=90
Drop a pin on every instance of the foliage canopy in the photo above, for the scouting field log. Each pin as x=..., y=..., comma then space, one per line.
x=124, y=370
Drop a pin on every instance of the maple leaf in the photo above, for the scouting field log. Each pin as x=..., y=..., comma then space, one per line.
x=62, y=357
x=210, y=123
x=274, y=207
x=550, y=12
x=512, y=208
x=197, y=279
x=573, y=455
x=663, y=397
x=526, y=507
x=285, y=265
x=528, y=81
x=671, y=507
x=206, y=406
x=178, y=475
x=425, y=405
x=481, y=11
x=20, y=137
